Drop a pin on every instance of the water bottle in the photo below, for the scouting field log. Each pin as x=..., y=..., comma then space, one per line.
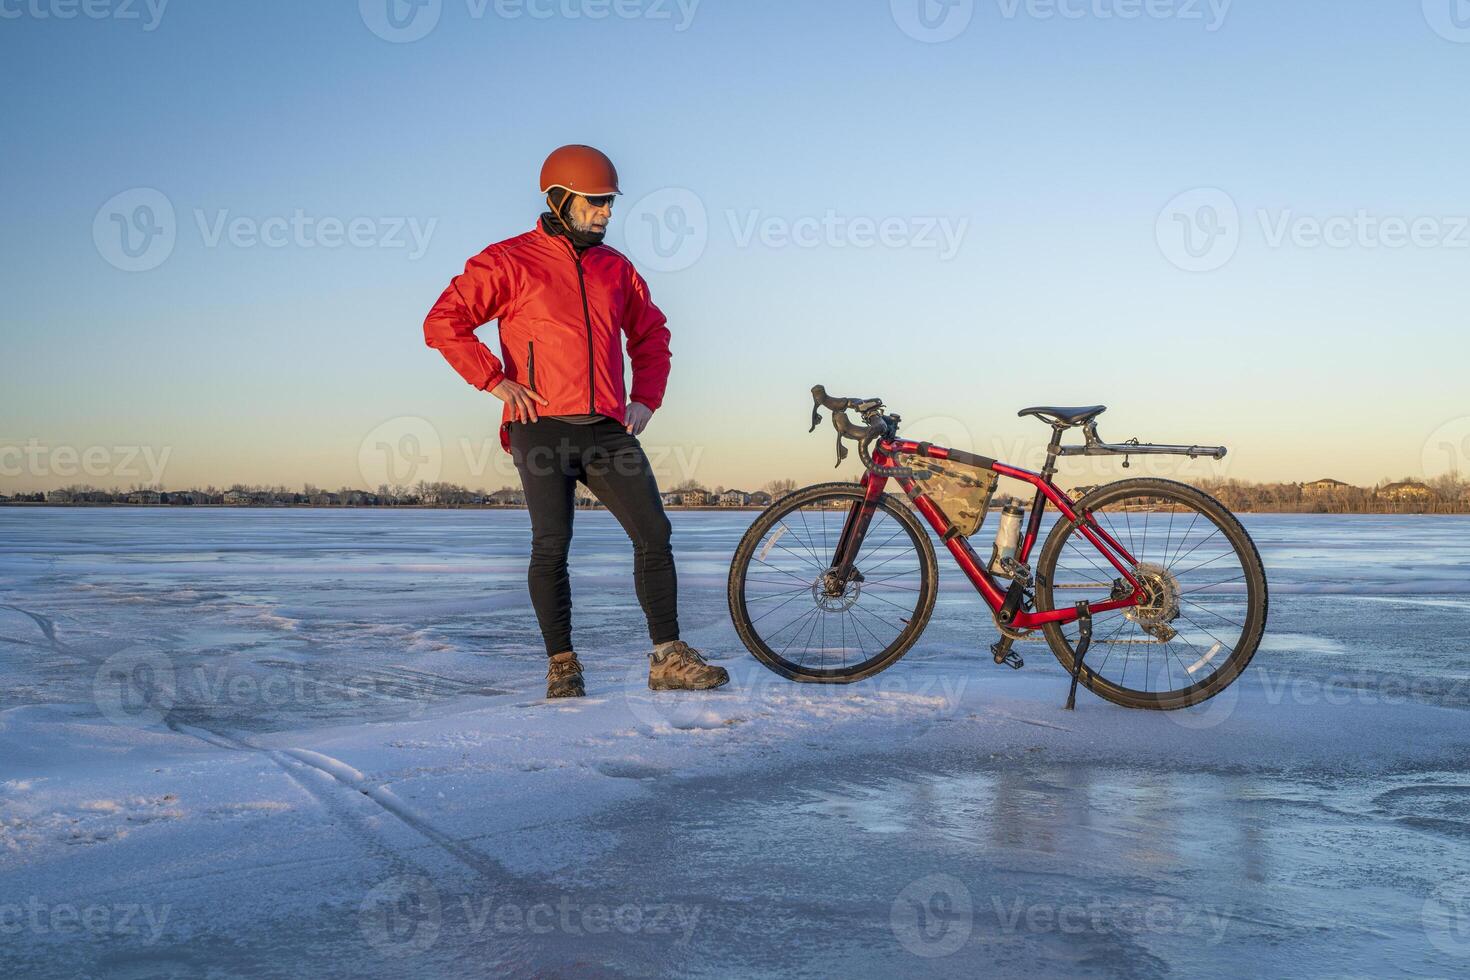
x=1007, y=537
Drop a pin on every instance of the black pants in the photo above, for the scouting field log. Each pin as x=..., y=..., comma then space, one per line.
x=552, y=456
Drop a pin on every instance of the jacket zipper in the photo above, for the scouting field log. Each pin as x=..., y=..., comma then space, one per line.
x=531, y=363
x=587, y=320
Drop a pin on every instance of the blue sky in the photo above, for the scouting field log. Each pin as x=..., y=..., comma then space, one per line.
x=1033, y=176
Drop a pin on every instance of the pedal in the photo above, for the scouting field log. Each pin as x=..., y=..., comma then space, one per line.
x=1003, y=654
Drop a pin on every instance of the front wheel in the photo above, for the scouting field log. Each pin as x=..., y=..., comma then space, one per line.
x=793, y=615
x=1206, y=607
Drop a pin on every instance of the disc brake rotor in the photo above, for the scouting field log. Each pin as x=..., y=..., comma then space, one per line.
x=1162, y=604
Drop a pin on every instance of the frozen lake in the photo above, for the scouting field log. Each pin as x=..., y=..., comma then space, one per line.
x=305, y=742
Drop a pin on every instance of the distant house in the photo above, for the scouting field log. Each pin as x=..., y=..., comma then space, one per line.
x=58, y=496
x=673, y=498
x=236, y=498
x=1325, y=486
x=145, y=497
x=1407, y=491
x=734, y=498
x=759, y=499
x=324, y=499
x=696, y=498
x=507, y=497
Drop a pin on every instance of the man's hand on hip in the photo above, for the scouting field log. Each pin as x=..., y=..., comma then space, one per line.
x=636, y=418
x=522, y=400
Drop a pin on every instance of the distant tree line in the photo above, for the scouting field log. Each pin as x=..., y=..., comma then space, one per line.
x=1447, y=494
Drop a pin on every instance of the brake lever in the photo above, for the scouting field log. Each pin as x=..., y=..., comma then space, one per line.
x=841, y=452
x=816, y=420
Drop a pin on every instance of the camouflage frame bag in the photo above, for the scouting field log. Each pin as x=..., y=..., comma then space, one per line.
x=963, y=493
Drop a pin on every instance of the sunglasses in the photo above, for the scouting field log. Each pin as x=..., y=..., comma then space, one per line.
x=601, y=200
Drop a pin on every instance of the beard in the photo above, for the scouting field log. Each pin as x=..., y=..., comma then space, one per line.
x=588, y=232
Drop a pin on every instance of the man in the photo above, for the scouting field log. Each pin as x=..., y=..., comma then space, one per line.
x=564, y=300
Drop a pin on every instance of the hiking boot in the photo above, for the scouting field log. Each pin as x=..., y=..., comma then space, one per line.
x=680, y=668
x=564, y=676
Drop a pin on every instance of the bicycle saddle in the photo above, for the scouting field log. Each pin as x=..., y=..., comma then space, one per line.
x=1064, y=416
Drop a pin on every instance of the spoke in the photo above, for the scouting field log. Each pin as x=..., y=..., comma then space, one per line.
x=1170, y=562
x=771, y=610
x=808, y=530
x=1213, y=613
x=876, y=639
x=1206, y=632
x=776, y=595
x=1072, y=542
x=1201, y=588
x=777, y=568
x=794, y=635
x=1223, y=554
x=793, y=554
x=1195, y=548
x=891, y=603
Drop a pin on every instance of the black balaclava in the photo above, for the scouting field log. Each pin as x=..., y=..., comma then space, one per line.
x=557, y=225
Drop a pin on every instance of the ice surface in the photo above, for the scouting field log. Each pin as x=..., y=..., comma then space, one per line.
x=313, y=743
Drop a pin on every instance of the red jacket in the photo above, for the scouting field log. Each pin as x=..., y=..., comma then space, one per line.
x=562, y=318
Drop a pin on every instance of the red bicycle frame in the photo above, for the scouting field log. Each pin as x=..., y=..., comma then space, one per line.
x=886, y=456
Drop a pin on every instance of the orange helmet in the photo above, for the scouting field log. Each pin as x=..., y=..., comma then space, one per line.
x=580, y=169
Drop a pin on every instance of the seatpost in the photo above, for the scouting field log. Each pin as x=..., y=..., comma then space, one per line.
x=1053, y=450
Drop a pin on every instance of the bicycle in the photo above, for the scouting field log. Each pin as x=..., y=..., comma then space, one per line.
x=876, y=590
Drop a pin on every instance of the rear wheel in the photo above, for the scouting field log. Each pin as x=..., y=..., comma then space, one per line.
x=792, y=614
x=1207, y=595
